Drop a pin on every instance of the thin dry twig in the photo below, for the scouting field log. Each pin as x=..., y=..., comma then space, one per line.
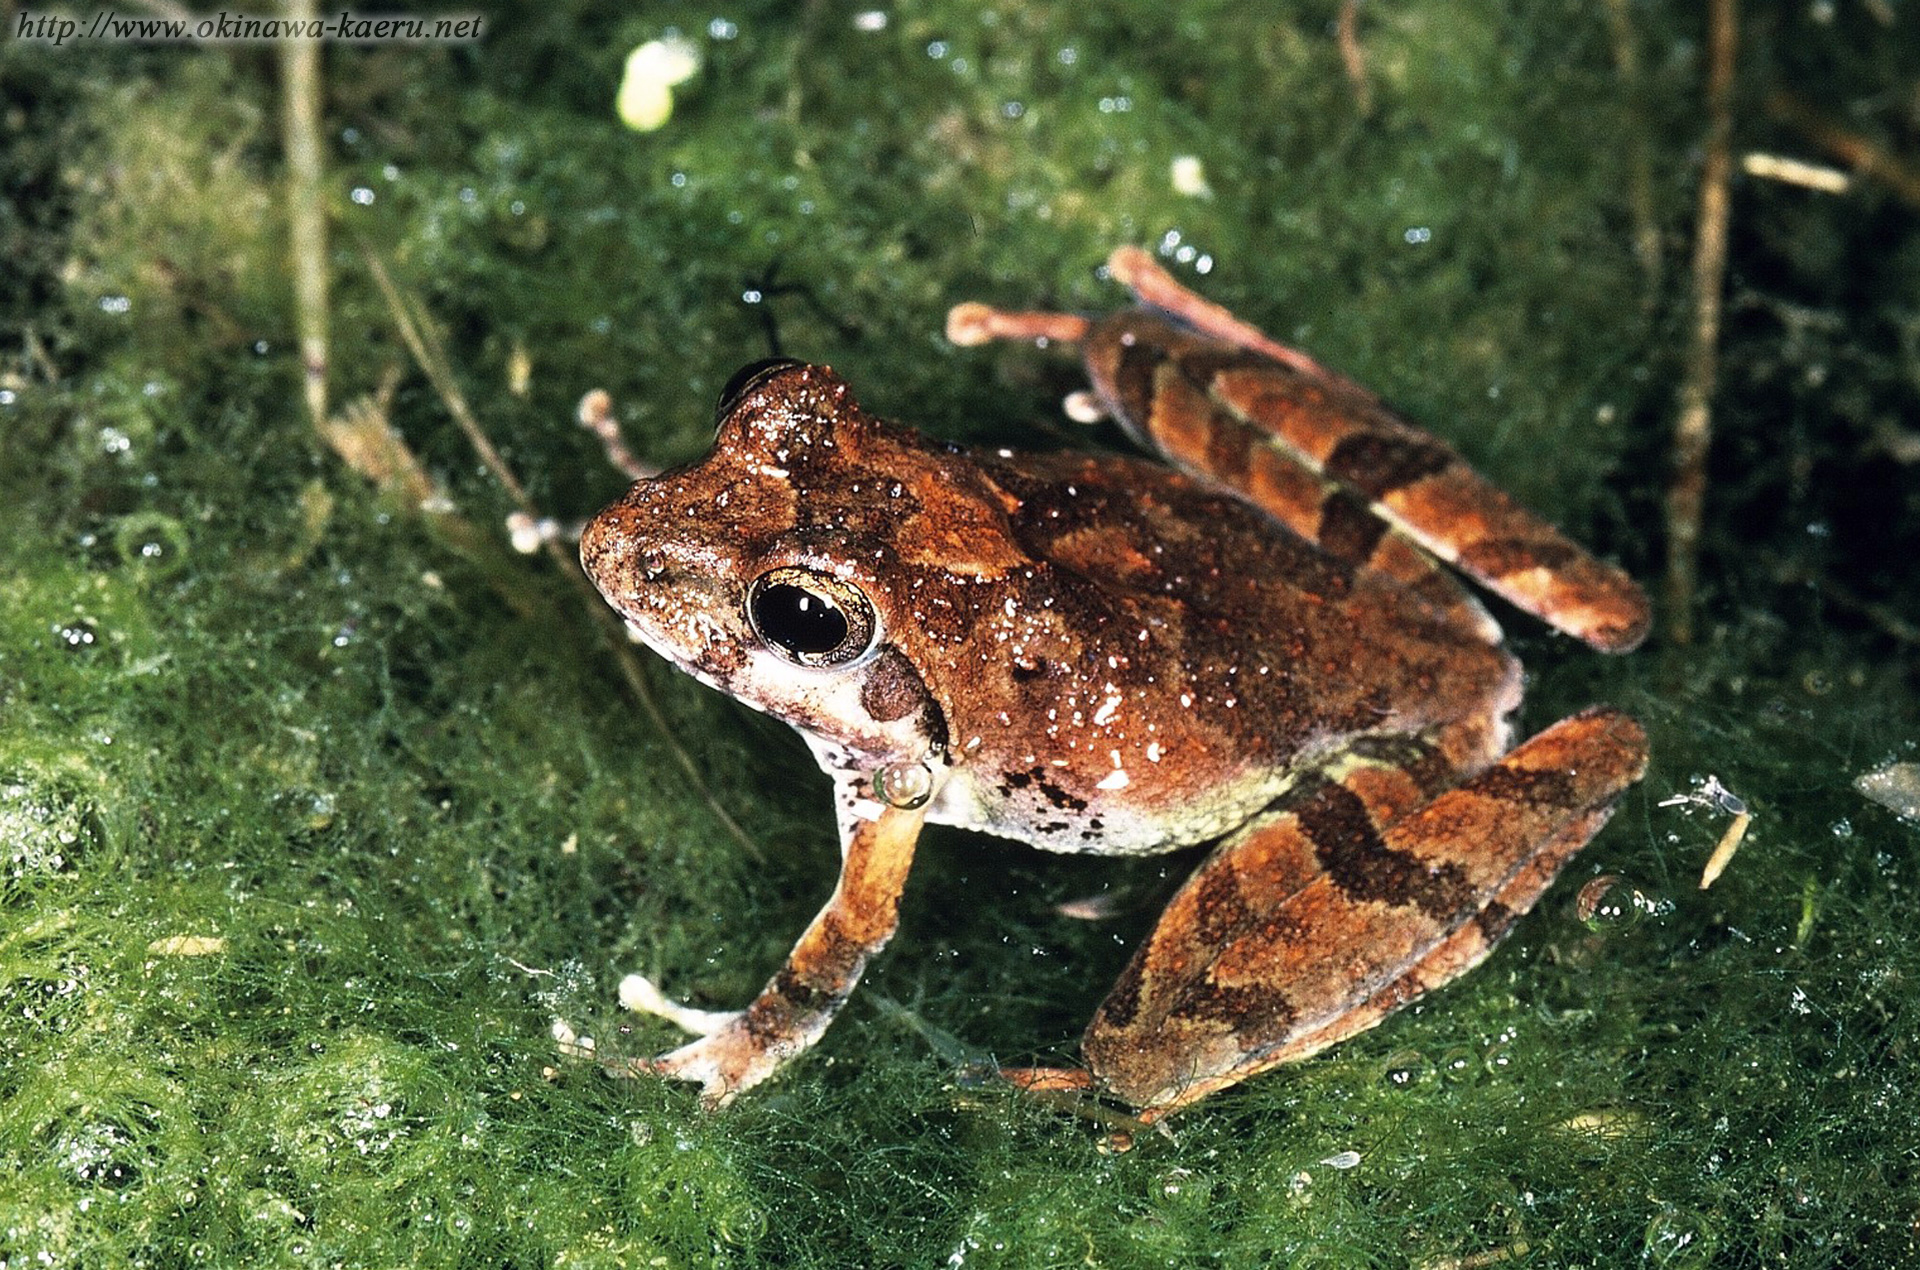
x=1789, y=171
x=1693, y=427
x=1883, y=617
x=423, y=341
x=1640, y=202
x=306, y=203
x=1867, y=157
x=361, y=434
x=1353, y=56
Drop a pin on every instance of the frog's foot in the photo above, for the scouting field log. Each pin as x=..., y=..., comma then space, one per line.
x=638, y=993
x=725, y=1057
x=970, y=323
x=1075, y=1090
x=596, y=416
x=724, y=1063
x=1048, y=1080
x=1135, y=269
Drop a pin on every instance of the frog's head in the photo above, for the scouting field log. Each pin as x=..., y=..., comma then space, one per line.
x=812, y=564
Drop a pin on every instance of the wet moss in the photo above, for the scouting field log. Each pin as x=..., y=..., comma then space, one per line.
x=312, y=818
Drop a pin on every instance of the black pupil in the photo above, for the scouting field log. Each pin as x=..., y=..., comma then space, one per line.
x=799, y=620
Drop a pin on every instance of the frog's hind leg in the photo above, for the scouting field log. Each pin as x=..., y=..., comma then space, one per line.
x=1190, y=429
x=1343, y=432
x=1359, y=890
x=1178, y=418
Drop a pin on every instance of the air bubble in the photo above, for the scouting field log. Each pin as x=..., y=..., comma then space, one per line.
x=906, y=785
x=1407, y=1069
x=76, y=636
x=1457, y=1064
x=1679, y=1238
x=1610, y=903
x=156, y=543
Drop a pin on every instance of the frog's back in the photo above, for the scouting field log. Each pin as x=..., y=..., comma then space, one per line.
x=1208, y=640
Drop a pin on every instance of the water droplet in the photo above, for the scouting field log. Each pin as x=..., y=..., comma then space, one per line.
x=1610, y=903
x=742, y=1223
x=155, y=542
x=907, y=784
x=1407, y=1069
x=1679, y=1238
x=78, y=636
x=1457, y=1064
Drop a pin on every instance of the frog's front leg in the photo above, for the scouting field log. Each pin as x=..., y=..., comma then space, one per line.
x=738, y=1049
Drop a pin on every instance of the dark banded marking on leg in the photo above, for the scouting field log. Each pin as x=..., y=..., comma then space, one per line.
x=1335, y=951
x=1154, y=397
x=1424, y=487
x=1343, y=432
x=1349, y=846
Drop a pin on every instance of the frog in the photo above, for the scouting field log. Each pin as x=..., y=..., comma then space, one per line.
x=1254, y=638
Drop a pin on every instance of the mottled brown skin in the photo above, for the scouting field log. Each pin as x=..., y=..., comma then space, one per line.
x=1107, y=655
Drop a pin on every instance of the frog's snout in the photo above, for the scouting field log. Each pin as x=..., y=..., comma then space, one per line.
x=609, y=553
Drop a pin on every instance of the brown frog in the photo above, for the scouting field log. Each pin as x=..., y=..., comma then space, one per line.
x=1255, y=647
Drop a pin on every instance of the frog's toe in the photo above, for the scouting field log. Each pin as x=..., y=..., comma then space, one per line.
x=1047, y=1079
x=638, y=993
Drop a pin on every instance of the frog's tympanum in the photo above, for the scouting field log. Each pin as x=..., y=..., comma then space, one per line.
x=1255, y=647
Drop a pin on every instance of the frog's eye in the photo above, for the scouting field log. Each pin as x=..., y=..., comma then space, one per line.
x=809, y=617
x=745, y=380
